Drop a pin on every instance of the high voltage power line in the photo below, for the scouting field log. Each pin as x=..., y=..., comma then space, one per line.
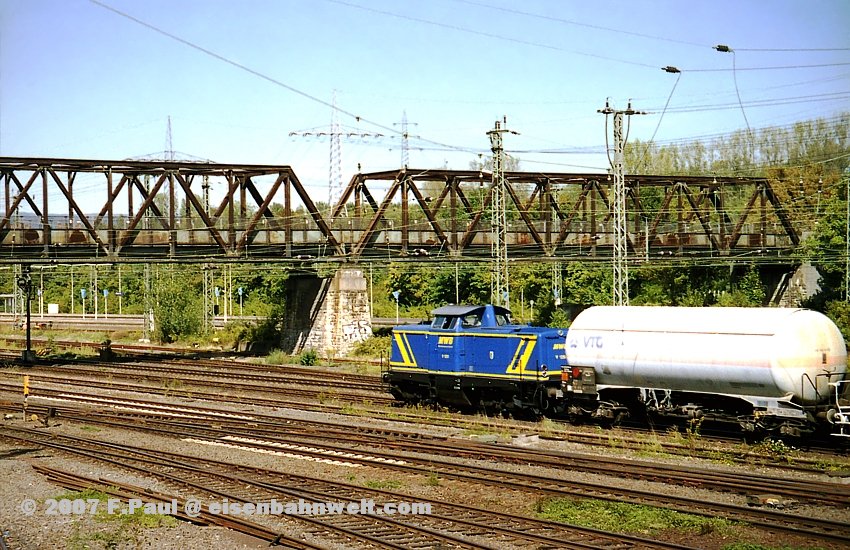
x=439, y=146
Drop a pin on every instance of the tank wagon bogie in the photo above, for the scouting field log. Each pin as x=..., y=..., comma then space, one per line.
x=771, y=370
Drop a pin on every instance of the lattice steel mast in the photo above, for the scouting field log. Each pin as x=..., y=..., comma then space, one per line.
x=405, y=139
x=498, y=207
x=335, y=161
x=620, y=287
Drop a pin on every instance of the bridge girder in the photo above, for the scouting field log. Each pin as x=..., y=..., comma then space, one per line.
x=154, y=210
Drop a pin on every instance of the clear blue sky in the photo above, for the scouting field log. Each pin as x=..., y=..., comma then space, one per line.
x=78, y=80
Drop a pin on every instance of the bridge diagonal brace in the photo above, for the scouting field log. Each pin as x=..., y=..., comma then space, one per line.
x=780, y=213
x=373, y=204
x=441, y=198
x=435, y=225
x=324, y=228
x=202, y=213
x=132, y=230
x=467, y=204
x=369, y=234
x=472, y=229
x=706, y=227
x=343, y=198
x=111, y=199
x=736, y=233
x=6, y=222
x=83, y=219
x=523, y=213
x=232, y=186
x=567, y=221
x=664, y=209
x=150, y=204
x=23, y=194
x=250, y=232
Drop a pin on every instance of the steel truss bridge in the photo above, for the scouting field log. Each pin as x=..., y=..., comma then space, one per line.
x=95, y=210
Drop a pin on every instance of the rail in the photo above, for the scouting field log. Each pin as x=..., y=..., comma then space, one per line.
x=131, y=322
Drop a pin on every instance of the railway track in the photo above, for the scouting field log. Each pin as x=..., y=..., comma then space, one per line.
x=331, y=435
x=426, y=456
x=191, y=359
x=449, y=524
x=128, y=322
x=125, y=491
x=268, y=385
x=220, y=373
x=321, y=398
x=139, y=350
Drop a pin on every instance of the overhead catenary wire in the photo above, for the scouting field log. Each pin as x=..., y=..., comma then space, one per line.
x=261, y=75
x=486, y=34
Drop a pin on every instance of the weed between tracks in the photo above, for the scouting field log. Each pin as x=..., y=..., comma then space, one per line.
x=622, y=517
x=116, y=529
x=389, y=484
x=173, y=387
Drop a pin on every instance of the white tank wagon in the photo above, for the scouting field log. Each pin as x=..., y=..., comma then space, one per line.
x=783, y=362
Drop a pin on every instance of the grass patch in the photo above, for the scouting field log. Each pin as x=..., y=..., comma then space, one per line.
x=172, y=386
x=383, y=484
x=138, y=518
x=775, y=450
x=755, y=546
x=278, y=357
x=549, y=428
x=622, y=517
x=85, y=494
x=354, y=410
x=433, y=480
x=651, y=447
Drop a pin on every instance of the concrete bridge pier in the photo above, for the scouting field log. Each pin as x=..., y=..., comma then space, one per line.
x=329, y=315
x=796, y=286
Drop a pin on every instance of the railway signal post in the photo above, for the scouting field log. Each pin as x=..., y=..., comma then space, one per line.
x=24, y=282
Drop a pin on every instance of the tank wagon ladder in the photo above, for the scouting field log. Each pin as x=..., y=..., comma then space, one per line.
x=840, y=415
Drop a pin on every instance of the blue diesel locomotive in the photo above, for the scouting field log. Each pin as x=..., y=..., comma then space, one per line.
x=473, y=357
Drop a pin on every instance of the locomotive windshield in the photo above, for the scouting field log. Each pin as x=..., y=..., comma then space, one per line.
x=458, y=317
x=443, y=321
x=472, y=320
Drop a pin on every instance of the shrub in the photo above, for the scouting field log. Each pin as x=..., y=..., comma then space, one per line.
x=308, y=357
x=374, y=346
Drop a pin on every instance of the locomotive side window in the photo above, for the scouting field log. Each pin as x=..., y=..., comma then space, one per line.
x=472, y=320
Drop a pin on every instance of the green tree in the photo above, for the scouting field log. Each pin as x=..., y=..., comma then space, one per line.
x=178, y=310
